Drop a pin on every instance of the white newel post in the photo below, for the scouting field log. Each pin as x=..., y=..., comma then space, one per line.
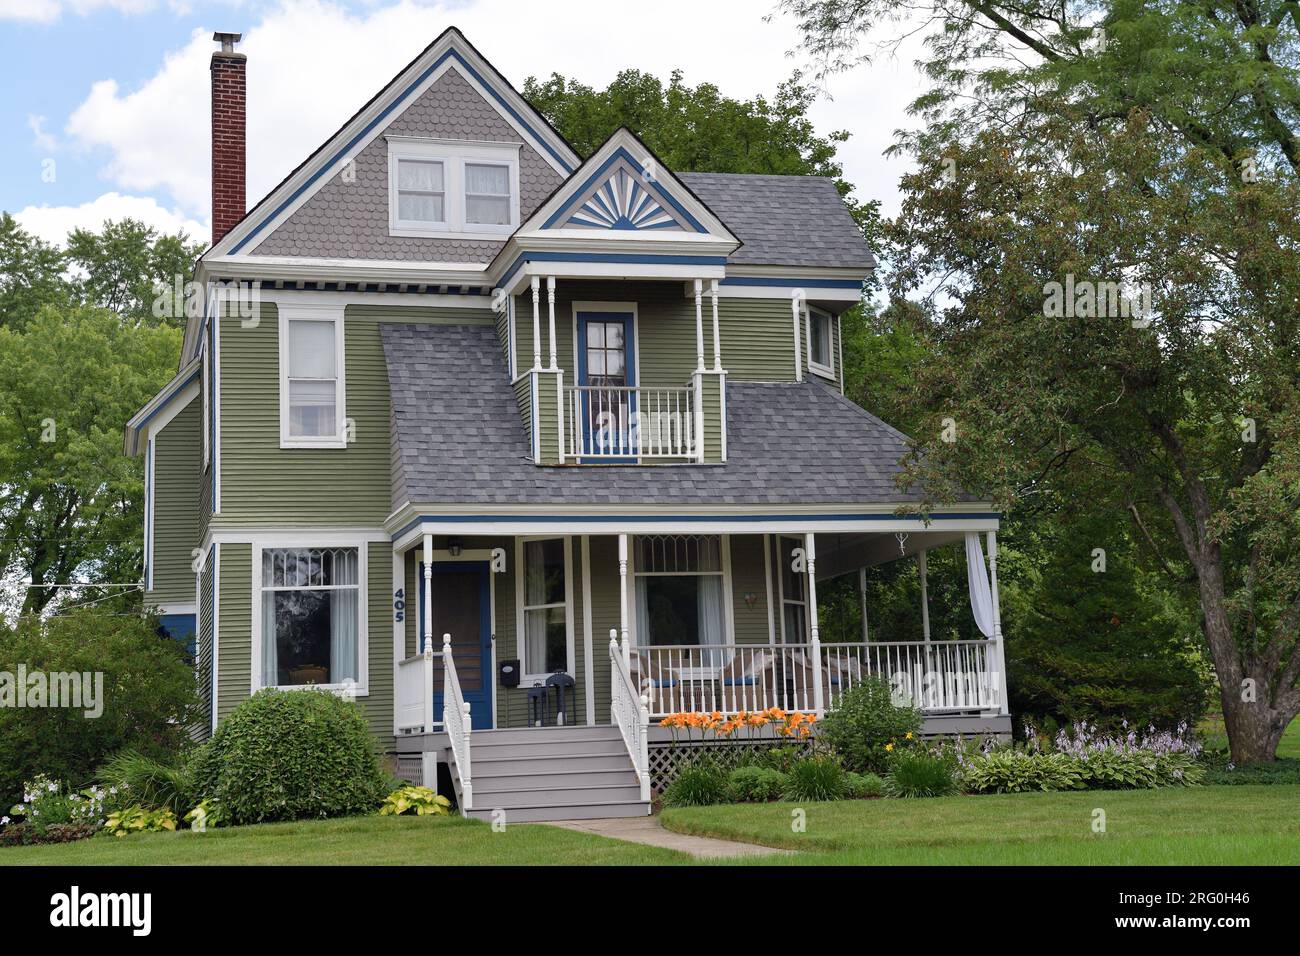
x=428, y=634
x=622, y=597
x=697, y=379
x=999, y=652
x=925, y=595
x=810, y=551
x=717, y=341
x=796, y=308
x=550, y=317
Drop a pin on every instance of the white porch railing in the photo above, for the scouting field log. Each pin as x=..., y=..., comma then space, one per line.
x=456, y=721
x=606, y=421
x=413, y=694
x=629, y=712
x=937, y=676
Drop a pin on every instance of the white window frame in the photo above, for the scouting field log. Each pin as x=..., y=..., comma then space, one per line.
x=362, y=686
x=313, y=313
x=728, y=607
x=521, y=574
x=817, y=368
x=453, y=154
x=801, y=600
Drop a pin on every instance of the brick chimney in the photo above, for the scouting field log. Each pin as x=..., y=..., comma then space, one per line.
x=229, y=87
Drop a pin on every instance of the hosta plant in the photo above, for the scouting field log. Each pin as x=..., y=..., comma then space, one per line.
x=420, y=801
x=140, y=819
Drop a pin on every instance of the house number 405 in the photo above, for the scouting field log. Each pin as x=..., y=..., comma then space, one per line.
x=399, y=605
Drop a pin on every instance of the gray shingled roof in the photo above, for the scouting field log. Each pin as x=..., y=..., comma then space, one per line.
x=783, y=220
x=461, y=440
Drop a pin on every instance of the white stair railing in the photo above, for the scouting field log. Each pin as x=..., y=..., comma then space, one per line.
x=456, y=721
x=630, y=713
x=413, y=694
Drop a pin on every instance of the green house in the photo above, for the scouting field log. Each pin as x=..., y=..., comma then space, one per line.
x=525, y=450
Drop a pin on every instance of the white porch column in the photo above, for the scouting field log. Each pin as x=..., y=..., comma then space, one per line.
x=699, y=325
x=717, y=340
x=622, y=597
x=999, y=650
x=796, y=311
x=428, y=592
x=537, y=322
x=819, y=698
x=550, y=313
x=925, y=597
x=862, y=598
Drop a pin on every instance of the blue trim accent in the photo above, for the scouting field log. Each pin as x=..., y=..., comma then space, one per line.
x=618, y=154
x=636, y=258
x=807, y=282
x=623, y=519
x=480, y=701
x=169, y=396
x=382, y=117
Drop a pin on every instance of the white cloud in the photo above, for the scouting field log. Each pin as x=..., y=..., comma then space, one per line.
x=312, y=64
x=40, y=138
x=53, y=223
x=47, y=11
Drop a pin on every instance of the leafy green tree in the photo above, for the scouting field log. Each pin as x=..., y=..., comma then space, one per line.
x=147, y=703
x=124, y=265
x=1150, y=146
x=31, y=274
x=71, y=503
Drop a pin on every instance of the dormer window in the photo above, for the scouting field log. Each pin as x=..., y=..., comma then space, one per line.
x=451, y=189
x=821, y=354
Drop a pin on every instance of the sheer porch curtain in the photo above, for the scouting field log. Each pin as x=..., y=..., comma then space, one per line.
x=977, y=580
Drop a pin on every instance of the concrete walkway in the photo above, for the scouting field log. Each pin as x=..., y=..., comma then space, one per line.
x=649, y=831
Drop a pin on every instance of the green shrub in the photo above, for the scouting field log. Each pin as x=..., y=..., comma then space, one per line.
x=1137, y=770
x=864, y=722
x=816, y=778
x=420, y=801
x=289, y=755
x=1220, y=771
x=149, y=697
x=756, y=784
x=860, y=786
x=138, y=819
x=1017, y=771
x=48, y=803
x=151, y=783
x=920, y=773
x=207, y=815
x=698, y=784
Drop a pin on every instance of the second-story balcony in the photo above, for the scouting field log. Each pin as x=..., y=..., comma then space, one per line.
x=623, y=424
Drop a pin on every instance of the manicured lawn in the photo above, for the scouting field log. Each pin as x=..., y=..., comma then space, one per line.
x=438, y=841
x=1199, y=825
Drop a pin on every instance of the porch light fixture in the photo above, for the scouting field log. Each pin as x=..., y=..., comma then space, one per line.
x=453, y=547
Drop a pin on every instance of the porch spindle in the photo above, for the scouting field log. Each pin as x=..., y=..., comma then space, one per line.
x=819, y=701
x=717, y=342
x=537, y=322
x=550, y=311
x=699, y=325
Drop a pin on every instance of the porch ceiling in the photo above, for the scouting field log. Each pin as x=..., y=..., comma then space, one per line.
x=839, y=554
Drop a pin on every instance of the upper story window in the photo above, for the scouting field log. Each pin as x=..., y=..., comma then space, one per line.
x=311, y=377
x=821, y=353
x=452, y=188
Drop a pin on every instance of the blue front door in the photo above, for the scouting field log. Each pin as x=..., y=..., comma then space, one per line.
x=607, y=376
x=462, y=607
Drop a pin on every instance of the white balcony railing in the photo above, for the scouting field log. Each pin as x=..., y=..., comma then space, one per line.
x=413, y=694
x=936, y=676
x=621, y=422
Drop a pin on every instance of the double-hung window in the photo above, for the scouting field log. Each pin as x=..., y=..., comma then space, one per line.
x=444, y=188
x=546, y=646
x=310, y=617
x=680, y=590
x=821, y=351
x=311, y=377
x=794, y=593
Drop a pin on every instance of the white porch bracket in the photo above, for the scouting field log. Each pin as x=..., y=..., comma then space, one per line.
x=796, y=312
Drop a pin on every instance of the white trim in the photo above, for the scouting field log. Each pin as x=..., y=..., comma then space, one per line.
x=767, y=580
x=588, y=653
x=453, y=155
x=270, y=536
x=216, y=632
x=326, y=298
x=313, y=312
x=149, y=505
x=205, y=374
x=520, y=574
x=817, y=368
x=512, y=338
x=839, y=348
x=164, y=609
x=399, y=624
x=362, y=546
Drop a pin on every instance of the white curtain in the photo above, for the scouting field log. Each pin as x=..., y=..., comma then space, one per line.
x=977, y=579
x=642, y=614
x=710, y=611
x=343, y=619
x=270, y=655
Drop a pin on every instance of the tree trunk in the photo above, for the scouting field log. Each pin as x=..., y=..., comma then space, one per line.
x=1254, y=728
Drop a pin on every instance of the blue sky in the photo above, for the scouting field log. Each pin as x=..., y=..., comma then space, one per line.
x=114, y=92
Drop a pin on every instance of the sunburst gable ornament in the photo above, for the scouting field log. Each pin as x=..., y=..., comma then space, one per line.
x=622, y=202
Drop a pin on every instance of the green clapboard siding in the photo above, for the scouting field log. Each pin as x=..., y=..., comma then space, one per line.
x=177, y=461
x=264, y=483
x=235, y=637
x=378, y=704
x=747, y=578
x=203, y=652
